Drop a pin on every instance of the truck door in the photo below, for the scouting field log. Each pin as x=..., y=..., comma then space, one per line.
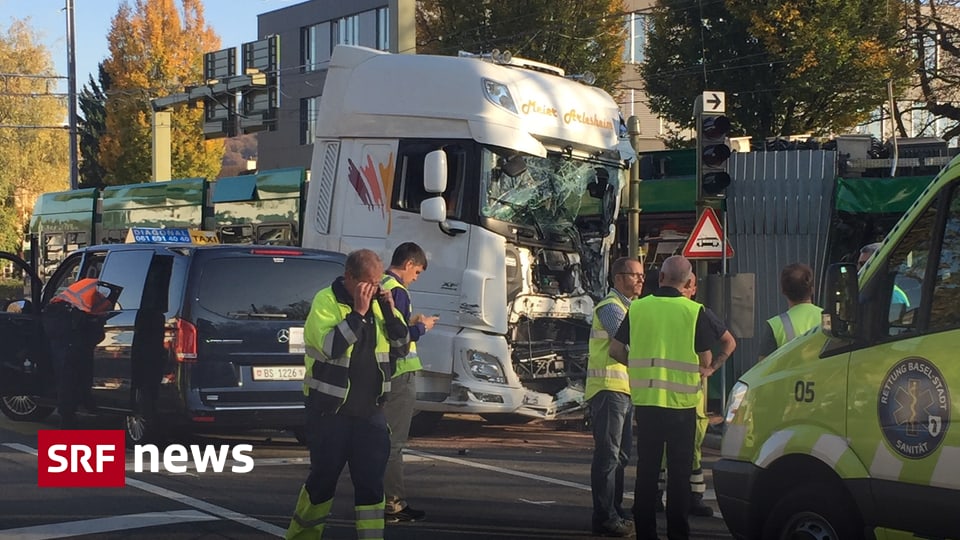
x=904, y=377
x=21, y=356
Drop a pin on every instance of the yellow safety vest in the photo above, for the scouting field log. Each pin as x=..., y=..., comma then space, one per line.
x=328, y=378
x=603, y=372
x=410, y=362
x=663, y=365
x=794, y=322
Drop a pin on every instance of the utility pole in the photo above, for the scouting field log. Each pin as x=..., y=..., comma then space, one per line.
x=633, y=213
x=72, y=97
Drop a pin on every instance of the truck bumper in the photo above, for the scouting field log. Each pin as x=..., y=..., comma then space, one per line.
x=735, y=483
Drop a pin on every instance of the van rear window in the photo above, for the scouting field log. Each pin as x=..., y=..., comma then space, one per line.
x=264, y=288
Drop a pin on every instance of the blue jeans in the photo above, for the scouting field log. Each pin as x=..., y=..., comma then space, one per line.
x=612, y=418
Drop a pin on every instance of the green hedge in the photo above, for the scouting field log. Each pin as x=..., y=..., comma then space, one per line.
x=11, y=289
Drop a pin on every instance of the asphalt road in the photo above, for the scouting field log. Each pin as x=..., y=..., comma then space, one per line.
x=473, y=479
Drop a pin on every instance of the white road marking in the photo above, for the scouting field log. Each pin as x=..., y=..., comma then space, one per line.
x=709, y=495
x=104, y=525
x=187, y=500
x=540, y=503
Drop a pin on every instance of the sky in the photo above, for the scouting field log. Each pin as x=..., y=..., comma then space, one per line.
x=235, y=21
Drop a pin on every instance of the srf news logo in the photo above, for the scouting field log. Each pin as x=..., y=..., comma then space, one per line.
x=97, y=458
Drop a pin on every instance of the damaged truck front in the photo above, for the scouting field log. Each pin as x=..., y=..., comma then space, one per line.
x=509, y=175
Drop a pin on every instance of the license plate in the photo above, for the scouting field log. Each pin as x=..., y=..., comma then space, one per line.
x=279, y=373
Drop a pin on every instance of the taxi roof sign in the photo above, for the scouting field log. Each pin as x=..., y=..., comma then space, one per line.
x=147, y=235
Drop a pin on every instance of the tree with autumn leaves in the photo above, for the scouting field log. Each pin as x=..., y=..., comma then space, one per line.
x=156, y=50
x=33, y=138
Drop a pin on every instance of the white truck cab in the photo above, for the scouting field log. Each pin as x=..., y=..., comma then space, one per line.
x=509, y=177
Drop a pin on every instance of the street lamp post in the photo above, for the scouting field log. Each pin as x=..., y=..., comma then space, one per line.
x=72, y=97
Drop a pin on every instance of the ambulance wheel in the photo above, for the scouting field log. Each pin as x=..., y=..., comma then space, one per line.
x=813, y=512
x=23, y=409
x=141, y=425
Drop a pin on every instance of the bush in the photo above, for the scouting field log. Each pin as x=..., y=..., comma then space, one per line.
x=11, y=289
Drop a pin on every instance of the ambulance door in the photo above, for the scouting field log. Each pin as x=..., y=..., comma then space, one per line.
x=21, y=355
x=905, y=377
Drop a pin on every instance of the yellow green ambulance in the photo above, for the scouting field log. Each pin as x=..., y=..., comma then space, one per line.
x=847, y=431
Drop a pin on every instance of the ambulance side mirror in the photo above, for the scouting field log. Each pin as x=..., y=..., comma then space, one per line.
x=841, y=301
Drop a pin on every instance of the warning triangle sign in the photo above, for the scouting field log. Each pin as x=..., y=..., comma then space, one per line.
x=705, y=240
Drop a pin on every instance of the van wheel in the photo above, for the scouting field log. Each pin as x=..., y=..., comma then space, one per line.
x=507, y=419
x=142, y=425
x=814, y=512
x=23, y=409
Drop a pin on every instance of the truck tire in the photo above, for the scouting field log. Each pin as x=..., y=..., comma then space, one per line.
x=23, y=409
x=507, y=419
x=424, y=423
x=819, y=511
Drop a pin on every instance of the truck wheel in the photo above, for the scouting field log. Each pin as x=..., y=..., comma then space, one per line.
x=507, y=419
x=814, y=512
x=142, y=425
x=424, y=423
x=23, y=409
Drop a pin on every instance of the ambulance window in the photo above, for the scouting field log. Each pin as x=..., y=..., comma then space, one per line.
x=945, y=306
x=906, y=268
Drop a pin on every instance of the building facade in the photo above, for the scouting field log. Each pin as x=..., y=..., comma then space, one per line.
x=308, y=32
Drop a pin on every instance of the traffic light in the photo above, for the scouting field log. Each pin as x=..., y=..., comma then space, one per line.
x=712, y=130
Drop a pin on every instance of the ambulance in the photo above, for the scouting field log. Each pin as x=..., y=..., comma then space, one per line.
x=846, y=432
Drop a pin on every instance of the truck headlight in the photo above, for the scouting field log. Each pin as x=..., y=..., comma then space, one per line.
x=485, y=367
x=737, y=393
x=498, y=94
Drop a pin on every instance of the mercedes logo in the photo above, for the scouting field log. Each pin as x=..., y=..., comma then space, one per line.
x=283, y=336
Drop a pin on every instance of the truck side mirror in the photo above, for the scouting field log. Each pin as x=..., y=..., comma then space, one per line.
x=433, y=210
x=842, y=301
x=435, y=172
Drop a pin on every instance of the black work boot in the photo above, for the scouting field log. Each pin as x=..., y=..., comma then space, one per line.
x=698, y=507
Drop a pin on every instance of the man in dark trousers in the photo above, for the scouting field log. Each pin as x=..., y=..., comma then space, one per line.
x=350, y=333
x=73, y=323
x=670, y=339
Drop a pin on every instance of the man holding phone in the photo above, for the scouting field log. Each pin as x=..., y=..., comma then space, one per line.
x=408, y=261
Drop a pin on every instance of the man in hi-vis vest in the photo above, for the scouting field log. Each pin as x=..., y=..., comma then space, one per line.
x=670, y=339
x=349, y=335
x=611, y=411
x=408, y=261
x=796, y=284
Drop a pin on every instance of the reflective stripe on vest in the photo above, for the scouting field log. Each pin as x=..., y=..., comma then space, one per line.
x=410, y=362
x=663, y=365
x=794, y=322
x=603, y=372
x=331, y=376
x=83, y=295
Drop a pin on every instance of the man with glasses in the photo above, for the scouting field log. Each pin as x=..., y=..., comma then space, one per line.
x=611, y=412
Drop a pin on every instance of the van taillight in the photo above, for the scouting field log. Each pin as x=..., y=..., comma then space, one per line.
x=185, y=341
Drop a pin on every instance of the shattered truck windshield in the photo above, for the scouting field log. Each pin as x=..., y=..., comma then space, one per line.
x=545, y=193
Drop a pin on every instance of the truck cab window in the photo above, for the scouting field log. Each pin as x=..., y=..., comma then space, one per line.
x=408, y=190
x=945, y=302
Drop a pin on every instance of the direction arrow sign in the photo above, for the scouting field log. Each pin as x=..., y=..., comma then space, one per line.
x=704, y=242
x=714, y=102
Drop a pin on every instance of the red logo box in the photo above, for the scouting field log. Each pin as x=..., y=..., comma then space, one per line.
x=81, y=458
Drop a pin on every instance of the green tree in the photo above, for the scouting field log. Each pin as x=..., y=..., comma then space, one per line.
x=576, y=35
x=154, y=52
x=91, y=125
x=33, y=143
x=817, y=67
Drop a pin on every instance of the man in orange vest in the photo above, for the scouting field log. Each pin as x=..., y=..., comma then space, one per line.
x=73, y=322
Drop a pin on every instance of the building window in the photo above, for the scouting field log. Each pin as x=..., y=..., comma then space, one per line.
x=383, y=29
x=315, y=40
x=308, y=119
x=348, y=30
x=638, y=25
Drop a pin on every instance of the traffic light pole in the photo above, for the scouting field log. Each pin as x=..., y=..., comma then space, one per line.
x=633, y=213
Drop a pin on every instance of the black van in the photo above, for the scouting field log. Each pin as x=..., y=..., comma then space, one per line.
x=203, y=337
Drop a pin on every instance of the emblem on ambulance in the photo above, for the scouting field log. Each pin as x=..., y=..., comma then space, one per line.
x=914, y=407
